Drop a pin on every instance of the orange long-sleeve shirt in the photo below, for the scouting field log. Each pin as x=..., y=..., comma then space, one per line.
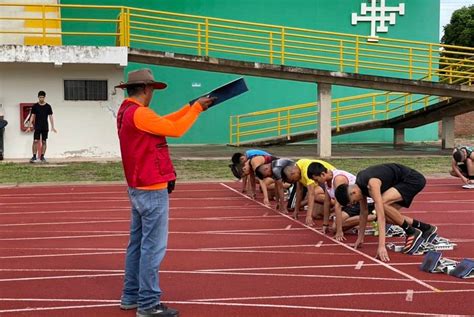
x=174, y=125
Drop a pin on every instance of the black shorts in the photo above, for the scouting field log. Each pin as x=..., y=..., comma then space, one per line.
x=463, y=169
x=354, y=210
x=42, y=133
x=292, y=197
x=412, y=183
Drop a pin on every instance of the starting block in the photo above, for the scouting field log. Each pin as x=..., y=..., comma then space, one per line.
x=464, y=269
x=437, y=244
x=434, y=263
x=394, y=231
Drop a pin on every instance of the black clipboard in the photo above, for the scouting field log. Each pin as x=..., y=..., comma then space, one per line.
x=225, y=92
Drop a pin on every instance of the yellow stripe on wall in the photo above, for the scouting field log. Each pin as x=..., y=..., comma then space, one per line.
x=50, y=24
x=40, y=9
x=38, y=40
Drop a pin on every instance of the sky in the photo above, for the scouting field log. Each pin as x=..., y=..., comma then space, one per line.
x=447, y=9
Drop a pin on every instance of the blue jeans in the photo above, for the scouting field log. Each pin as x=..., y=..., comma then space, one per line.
x=146, y=248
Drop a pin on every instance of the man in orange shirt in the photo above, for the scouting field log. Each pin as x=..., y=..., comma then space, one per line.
x=150, y=177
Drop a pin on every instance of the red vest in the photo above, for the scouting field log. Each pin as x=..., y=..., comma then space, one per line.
x=145, y=157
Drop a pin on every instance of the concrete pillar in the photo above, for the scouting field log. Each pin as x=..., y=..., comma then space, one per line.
x=324, y=126
x=447, y=133
x=398, y=136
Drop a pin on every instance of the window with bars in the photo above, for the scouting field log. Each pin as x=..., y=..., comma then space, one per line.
x=85, y=90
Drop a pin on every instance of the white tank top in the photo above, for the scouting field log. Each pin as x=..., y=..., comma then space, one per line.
x=335, y=173
x=350, y=177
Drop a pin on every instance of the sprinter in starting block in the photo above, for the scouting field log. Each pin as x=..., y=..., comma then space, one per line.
x=391, y=186
x=435, y=263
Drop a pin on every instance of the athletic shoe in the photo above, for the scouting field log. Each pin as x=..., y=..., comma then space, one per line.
x=33, y=159
x=125, y=306
x=159, y=310
x=430, y=234
x=394, y=231
x=412, y=241
x=468, y=186
x=43, y=160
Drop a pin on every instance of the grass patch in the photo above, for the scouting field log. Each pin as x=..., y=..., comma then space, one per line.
x=187, y=170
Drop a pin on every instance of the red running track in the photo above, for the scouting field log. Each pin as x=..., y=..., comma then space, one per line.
x=62, y=254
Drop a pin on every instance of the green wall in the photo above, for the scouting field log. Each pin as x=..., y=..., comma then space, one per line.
x=420, y=23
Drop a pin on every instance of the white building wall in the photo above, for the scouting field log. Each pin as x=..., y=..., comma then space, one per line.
x=85, y=128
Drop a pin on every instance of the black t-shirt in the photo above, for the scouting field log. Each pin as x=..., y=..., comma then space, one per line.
x=278, y=166
x=41, y=112
x=389, y=174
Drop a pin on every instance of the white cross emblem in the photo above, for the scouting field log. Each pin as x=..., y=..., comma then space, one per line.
x=377, y=14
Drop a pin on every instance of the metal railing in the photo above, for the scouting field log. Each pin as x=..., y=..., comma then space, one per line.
x=275, y=44
x=288, y=121
x=266, y=43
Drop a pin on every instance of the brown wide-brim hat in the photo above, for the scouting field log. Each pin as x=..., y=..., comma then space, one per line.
x=142, y=76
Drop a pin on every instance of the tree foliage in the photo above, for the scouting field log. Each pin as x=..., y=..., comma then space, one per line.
x=460, y=30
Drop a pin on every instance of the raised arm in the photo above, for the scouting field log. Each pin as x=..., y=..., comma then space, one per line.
x=147, y=120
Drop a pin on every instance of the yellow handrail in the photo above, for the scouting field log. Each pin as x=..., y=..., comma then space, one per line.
x=226, y=38
x=266, y=43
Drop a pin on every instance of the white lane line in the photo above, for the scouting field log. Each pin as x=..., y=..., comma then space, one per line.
x=121, y=193
x=110, y=303
x=104, y=200
x=72, y=193
x=65, y=249
x=426, y=192
x=359, y=265
x=261, y=247
x=247, y=274
x=451, y=202
x=298, y=267
x=351, y=310
x=73, y=300
x=252, y=230
x=73, y=211
x=412, y=278
x=325, y=295
x=61, y=277
x=170, y=250
x=33, y=309
x=35, y=256
x=409, y=297
x=261, y=252
x=64, y=231
x=65, y=237
x=126, y=234
x=62, y=270
x=62, y=223
x=62, y=202
x=67, y=211
x=236, y=218
x=109, y=273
